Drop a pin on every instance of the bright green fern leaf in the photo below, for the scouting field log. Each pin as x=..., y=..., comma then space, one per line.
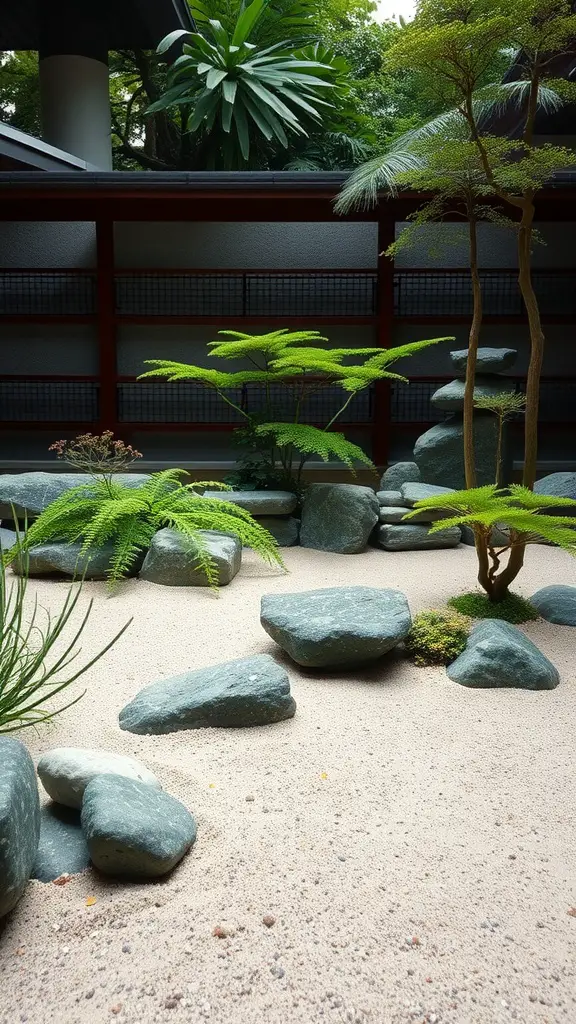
x=312, y=441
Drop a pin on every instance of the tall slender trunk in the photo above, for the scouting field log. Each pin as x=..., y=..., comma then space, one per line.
x=473, y=342
x=536, y=346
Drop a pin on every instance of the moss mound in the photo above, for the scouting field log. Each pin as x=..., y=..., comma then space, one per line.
x=513, y=608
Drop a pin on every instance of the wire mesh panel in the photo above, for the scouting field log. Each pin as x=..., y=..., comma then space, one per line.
x=306, y=294
x=180, y=294
x=318, y=408
x=50, y=401
x=449, y=293
x=175, y=403
x=49, y=293
x=557, y=401
x=410, y=403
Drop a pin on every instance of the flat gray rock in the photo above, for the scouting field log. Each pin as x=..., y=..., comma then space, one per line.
x=338, y=517
x=19, y=821
x=399, y=473
x=413, y=493
x=392, y=514
x=488, y=360
x=31, y=493
x=259, y=503
x=337, y=626
x=440, y=452
x=284, y=529
x=65, y=772
x=172, y=559
x=497, y=655
x=243, y=692
x=390, y=498
x=8, y=539
x=132, y=830
x=63, y=849
x=560, y=485
x=556, y=604
x=404, y=537
x=450, y=397
x=58, y=558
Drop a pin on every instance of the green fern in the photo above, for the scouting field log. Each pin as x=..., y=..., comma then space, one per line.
x=312, y=441
x=106, y=510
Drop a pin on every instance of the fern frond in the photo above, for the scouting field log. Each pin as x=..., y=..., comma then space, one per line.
x=171, y=371
x=132, y=537
x=268, y=344
x=313, y=441
x=531, y=499
x=197, y=547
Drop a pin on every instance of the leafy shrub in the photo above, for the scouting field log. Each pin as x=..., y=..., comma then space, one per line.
x=31, y=671
x=105, y=510
x=436, y=638
x=512, y=608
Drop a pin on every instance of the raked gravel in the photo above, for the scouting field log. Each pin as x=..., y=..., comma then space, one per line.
x=400, y=852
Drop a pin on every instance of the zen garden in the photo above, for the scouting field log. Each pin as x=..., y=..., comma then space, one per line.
x=291, y=739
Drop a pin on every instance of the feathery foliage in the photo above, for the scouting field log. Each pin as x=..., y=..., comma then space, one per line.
x=37, y=649
x=105, y=510
x=297, y=364
x=436, y=638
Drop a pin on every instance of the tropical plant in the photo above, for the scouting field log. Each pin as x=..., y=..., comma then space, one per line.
x=517, y=513
x=436, y=638
x=36, y=650
x=104, y=510
x=296, y=363
x=233, y=88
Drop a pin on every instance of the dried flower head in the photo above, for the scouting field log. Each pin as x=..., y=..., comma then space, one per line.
x=96, y=454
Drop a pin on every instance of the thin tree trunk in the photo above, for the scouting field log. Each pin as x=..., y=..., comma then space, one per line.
x=536, y=347
x=509, y=574
x=473, y=342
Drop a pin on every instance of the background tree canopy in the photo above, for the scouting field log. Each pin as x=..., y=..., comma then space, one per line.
x=373, y=105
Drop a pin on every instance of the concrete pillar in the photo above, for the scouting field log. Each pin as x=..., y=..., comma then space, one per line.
x=75, y=107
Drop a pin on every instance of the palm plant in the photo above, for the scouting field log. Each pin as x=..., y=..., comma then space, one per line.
x=297, y=362
x=36, y=650
x=238, y=90
x=105, y=510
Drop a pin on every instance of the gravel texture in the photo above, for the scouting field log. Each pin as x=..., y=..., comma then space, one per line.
x=400, y=852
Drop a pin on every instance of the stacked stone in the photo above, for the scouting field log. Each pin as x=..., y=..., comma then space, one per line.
x=396, y=534
x=439, y=453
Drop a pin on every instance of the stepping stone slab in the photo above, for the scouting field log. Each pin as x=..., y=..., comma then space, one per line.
x=498, y=654
x=63, y=849
x=336, y=626
x=556, y=604
x=450, y=397
x=19, y=821
x=488, y=360
x=259, y=503
x=390, y=499
x=398, y=474
x=31, y=493
x=338, y=517
x=65, y=772
x=65, y=560
x=284, y=529
x=243, y=692
x=133, y=830
x=404, y=537
x=561, y=485
x=172, y=559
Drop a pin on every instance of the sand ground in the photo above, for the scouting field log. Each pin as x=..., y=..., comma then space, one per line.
x=413, y=840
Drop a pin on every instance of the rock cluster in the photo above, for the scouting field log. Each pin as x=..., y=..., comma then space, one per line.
x=272, y=509
x=393, y=533
x=438, y=453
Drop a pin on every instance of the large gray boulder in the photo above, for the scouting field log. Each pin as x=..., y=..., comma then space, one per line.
x=405, y=537
x=556, y=604
x=338, y=517
x=488, y=360
x=65, y=772
x=63, y=849
x=31, y=493
x=259, y=503
x=58, y=558
x=450, y=397
x=243, y=692
x=559, y=485
x=498, y=654
x=284, y=529
x=19, y=821
x=133, y=830
x=439, y=452
x=399, y=473
x=172, y=559
x=337, y=626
